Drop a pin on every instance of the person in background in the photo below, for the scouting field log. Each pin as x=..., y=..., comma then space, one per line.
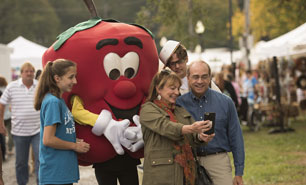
x=32, y=158
x=3, y=84
x=228, y=135
x=226, y=87
x=236, y=87
x=25, y=120
x=249, y=88
x=7, y=120
x=1, y=172
x=58, y=142
x=174, y=55
x=37, y=74
x=169, y=131
x=7, y=117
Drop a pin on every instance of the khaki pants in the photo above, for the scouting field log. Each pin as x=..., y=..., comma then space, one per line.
x=219, y=168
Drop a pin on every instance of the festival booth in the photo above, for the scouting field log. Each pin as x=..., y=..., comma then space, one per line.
x=281, y=66
x=26, y=51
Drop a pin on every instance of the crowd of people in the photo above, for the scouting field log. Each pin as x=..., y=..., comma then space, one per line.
x=172, y=121
x=172, y=124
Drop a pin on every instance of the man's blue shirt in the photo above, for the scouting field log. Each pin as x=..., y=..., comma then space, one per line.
x=228, y=134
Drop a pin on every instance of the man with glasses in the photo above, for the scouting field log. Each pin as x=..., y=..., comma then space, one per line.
x=228, y=135
x=174, y=55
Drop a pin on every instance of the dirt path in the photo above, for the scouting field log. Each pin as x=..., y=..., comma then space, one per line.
x=87, y=174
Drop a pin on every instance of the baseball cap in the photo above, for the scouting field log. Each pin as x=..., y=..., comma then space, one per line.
x=168, y=49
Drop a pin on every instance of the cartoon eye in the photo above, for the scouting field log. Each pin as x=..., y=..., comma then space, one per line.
x=130, y=64
x=112, y=66
x=114, y=74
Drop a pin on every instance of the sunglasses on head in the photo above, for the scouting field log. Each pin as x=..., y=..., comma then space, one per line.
x=165, y=72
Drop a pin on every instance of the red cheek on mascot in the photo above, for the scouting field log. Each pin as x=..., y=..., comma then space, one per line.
x=115, y=65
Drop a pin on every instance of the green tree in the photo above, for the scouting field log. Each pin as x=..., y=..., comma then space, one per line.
x=42, y=20
x=33, y=19
x=72, y=12
x=123, y=11
x=176, y=19
x=270, y=18
x=69, y=12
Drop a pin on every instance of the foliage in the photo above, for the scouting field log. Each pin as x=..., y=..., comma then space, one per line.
x=176, y=19
x=33, y=19
x=270, y=18
x=70, y=12
x=275, y=158
x=42, y=20
x=124, y=11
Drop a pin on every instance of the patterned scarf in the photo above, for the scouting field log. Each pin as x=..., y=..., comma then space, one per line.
x=183, y=156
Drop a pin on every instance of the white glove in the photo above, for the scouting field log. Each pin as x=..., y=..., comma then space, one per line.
x=134, y=133
x=112, y=129
x=136, y=146
x=132, y=137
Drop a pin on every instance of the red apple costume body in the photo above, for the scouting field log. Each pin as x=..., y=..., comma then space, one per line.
x=115, y=65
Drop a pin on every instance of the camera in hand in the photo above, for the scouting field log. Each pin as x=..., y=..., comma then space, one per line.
x=210, y=116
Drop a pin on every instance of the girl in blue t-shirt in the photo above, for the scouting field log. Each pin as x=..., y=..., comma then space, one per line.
x=58, y=142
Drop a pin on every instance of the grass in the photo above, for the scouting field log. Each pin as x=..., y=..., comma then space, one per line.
x=278, y=159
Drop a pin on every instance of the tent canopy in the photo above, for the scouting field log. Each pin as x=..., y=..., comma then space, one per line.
x=289, y=44
x=215, y=57
x=26, y=51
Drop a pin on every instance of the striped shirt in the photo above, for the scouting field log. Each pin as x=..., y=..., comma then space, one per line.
x=25, y=119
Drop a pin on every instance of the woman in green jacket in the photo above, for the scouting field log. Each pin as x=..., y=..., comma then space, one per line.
x=169, y=132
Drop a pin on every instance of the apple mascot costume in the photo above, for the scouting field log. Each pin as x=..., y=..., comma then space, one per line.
x=115, y=65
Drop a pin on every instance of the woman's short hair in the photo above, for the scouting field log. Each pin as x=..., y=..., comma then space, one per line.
x=159, y=81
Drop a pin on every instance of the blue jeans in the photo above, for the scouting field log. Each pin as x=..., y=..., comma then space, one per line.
x=22, y=147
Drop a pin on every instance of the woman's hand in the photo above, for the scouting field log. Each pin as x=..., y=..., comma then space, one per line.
x=197, y=127
x=201, y=126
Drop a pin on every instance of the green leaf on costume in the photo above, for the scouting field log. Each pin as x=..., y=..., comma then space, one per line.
x=61, y=39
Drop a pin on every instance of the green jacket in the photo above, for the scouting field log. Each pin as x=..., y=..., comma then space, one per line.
x=160, y=135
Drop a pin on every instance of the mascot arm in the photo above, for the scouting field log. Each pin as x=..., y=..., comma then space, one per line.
x=80, y=114
x=102, y=124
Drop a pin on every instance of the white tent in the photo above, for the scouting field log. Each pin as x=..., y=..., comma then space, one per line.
x=215, y=57
x=290, y=44
x=26, y=51
x=5, y=66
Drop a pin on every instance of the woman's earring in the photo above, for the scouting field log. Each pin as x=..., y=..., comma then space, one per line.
x=158, y=97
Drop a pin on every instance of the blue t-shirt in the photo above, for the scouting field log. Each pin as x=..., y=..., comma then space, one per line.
x=248, y=89
x=57, y=166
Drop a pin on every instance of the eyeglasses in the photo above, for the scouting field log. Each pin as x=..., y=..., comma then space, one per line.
x=172, y=64
x=203, y=77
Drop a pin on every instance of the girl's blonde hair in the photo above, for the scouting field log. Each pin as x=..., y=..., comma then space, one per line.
x=47, y=83
x=159, y=81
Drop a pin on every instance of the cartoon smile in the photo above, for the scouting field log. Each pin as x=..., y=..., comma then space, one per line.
x=125, y=114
